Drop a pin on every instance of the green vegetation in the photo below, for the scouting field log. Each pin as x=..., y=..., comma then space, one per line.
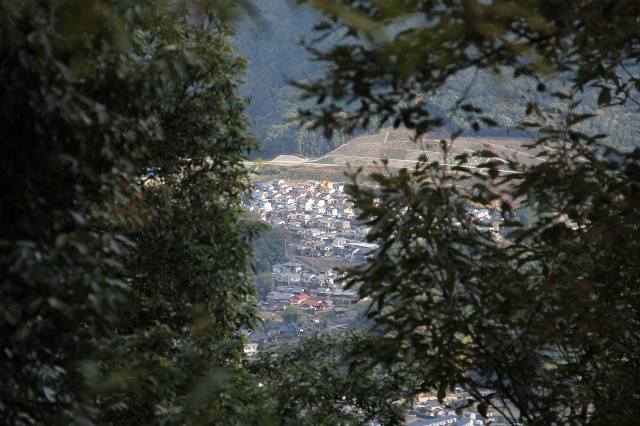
x=123, y=279
x=546, y=319
x=265, y=283
x=125, y=257
x=270, y=41
x=292, y=314
x=269, y=248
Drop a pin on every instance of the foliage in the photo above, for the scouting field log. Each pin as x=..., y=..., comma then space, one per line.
x=292, y=314
x=123, y=271
x=269, y=43
x=265, y=283
x=73, y=124
x=124, y=254
x=188, y=274
x=311, y=385
x=545, y=318
x=269, y=248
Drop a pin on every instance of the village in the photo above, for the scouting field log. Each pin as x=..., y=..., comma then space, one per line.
x=324, y=231
x=322, y=220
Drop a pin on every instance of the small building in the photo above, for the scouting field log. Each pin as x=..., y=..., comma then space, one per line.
x=251, y=349
x=292, y=267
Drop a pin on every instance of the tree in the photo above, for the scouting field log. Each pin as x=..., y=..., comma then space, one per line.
x=270, y=246
x=546, y=318
x=292, y=314
x=265, y=283
x=124, y=269
x=124, y=257
x=188, y=272
x=310, y=385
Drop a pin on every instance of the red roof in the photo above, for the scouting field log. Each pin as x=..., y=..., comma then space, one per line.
x=299, y=298
x=313, y=303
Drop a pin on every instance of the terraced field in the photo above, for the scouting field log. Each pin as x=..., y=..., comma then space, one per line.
x=401, y=151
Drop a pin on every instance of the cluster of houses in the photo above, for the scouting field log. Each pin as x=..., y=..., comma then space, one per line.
x=485, y=219
x=434, y=413
x=258, y=337
x=319, y=216
x=309, y=291
x=322, y=221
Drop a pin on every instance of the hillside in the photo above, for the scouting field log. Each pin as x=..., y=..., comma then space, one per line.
x=402, y=151
x=399, y=149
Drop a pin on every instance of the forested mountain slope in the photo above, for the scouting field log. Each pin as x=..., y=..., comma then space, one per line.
x=270, y=41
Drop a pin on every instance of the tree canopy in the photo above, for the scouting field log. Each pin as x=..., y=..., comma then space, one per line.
x=540, y=323
x=124, y=269
x=124, y=256
x=124, y=275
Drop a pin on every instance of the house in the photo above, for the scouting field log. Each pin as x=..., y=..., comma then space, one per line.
x=306, y=204
x=325, y=225
x=325, y=250
x=307, y=276
x=463, y=422
x=432, y=406
x=316, y=281
x=360, y=251
x=339, y=241
x=279, y=297
x=297, y=231
x=326, y=273
x=362, y=232
x=306, y=252
x=296, y=300
x=314, y=232
x=345, y=295
x=315, y=304
x=251, y=349
x=319, y=210
x=438, y=421
x=342, y=225
x=266, y=206
x=322, y=292
x=292, y=267
x=287, y=278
